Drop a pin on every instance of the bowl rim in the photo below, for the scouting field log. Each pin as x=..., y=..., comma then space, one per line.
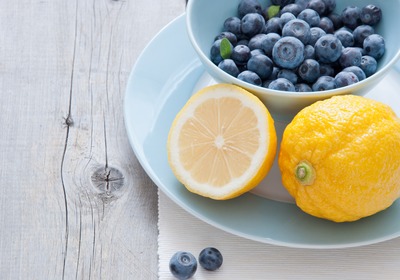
x=278, y=93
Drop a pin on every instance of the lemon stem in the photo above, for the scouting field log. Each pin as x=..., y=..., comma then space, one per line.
x=305, y=173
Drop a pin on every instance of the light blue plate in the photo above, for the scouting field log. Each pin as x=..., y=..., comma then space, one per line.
x=164, y=77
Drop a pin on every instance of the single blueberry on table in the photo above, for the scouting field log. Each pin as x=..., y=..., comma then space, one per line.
x=249, y=6
x=302, y=87
x=250, y=77
x=309, y=70
x=281, y=84
x=371, y=14
x=268, y=45
x=183, y=265
x=369, y=65
x=343, y=79
x=324, y=83
x=289, y=75
x=288, y=52
x=328, y=48
x=297, y=28
x=351, y=16
x=345, y=36
x=315, y=34
x=262, y=65
x=310, y=16
x=350, y=57
x=374, y=45
x=361, y=32
x=229, y=66
x=233, y=25
x=357, y=71
x=240, y=54
x=210, y=258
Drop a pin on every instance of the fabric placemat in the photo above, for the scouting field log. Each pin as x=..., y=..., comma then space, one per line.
x=247, y=259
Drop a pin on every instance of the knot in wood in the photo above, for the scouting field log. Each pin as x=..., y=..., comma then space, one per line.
x=107, y=181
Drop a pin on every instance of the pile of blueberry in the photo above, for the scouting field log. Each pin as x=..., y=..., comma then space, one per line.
x=183, y=265
x=299, y=45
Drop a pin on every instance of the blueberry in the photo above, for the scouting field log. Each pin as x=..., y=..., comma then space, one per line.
x=215, y=52
x=249, y=6
x=317, y=5
x=250, y=77
x=350, y=57
x=288, y=74
x=326, y=24
x=281, y=84
x=183, y=265
x=310, y=16
x=357, y=71
x=330, y=6
x=326, y=70
x=309, y=52
x=268, y=45
x=256, y=52
x=286, y=17
x=336, y=20
x=309, y=70
x=351, y=16
x=210, y=258
x=371, y=14
x=273, y=25
x=328, y=48
x=374, y=45
x=288, y=52
x=257, y=41
x=345, y=36
x=369, y=65
x=302, y=87
x=229, y=66
x=243, y=42
x=361, y=32
x=324, y=83
x=233, y=25
x=297, y=28
x=282, y=2
x=261, y=65
x=302, y=3
x=343, y=79
x=294, y=9
x=252, y=24
x=240, y=54
x=274, y=74
x=228, y=35
x=315, y=34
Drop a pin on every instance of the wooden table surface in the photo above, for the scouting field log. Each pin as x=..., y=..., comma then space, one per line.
x=74, y=201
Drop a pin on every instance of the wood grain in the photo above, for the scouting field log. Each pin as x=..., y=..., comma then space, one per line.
x=74, y=201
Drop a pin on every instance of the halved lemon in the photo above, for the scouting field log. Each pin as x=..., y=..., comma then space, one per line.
x=222, y=143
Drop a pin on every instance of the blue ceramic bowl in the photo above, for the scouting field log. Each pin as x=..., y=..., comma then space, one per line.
x=205, y=18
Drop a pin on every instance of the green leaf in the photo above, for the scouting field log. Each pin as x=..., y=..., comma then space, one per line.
x=273, y=10
x=225, y=48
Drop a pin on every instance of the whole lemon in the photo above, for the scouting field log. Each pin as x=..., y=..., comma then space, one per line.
x=340, y=158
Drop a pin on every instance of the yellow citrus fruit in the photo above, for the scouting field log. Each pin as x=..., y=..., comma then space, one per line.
x=340, y=158
x=222, y=143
